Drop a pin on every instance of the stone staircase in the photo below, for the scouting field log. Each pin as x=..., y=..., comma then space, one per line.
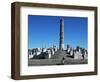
x=59, y=55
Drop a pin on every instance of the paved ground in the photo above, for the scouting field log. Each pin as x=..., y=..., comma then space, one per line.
x=39, y=62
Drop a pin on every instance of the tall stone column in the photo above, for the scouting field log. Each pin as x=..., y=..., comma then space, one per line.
x=61, y=43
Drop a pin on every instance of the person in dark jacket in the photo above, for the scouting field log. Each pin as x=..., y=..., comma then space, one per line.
x=63, y=61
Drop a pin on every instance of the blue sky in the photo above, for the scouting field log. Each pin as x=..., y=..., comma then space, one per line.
x=43, y=31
